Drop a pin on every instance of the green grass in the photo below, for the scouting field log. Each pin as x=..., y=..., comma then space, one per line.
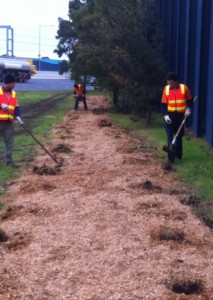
x=26, y=97
x=196, y=168
x=24, y=144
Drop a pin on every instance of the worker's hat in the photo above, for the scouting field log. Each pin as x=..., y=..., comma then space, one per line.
x=9, y=78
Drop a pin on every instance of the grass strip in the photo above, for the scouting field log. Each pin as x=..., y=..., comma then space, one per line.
x=195, y=170
x=25, y=146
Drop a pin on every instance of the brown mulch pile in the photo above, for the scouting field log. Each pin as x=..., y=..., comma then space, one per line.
x=108, y=225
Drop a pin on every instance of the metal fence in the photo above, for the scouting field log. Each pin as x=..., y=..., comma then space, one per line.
x=189, y=52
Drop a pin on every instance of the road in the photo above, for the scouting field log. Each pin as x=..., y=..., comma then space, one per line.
x=47, y=81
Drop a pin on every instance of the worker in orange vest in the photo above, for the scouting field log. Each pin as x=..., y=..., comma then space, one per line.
x=176, y=103
x=80, y=95
x=9, y=111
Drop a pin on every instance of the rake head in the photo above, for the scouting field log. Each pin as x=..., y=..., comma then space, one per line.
x=170, y=150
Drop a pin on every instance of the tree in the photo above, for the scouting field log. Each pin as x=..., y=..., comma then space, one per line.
x=64, y=67
x=120, y=43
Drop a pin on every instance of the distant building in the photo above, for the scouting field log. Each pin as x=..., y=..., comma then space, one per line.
x=46, y=64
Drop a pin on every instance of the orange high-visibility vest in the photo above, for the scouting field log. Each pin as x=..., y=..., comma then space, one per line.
x=176, y=99
x=12, y=102
x=80, y=90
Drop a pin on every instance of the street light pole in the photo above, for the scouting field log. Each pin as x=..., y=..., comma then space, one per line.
x=39, y=44
x=39, y=49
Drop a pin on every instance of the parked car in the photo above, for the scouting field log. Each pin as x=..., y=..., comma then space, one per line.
x=90, y=80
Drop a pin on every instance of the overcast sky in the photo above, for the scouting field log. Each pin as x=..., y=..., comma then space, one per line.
x=27, y=18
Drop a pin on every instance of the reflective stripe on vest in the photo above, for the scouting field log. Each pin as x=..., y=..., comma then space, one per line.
x=179, y=104
x=79, y=90
x=4, y=116
x=13, y=93
x=182, y=88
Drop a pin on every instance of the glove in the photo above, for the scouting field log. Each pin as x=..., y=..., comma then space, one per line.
x=5, y=107
x=19, y=120
x=187, y=112
x=167, y=119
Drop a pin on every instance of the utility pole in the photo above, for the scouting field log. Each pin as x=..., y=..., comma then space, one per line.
x=39, y=44
x=9, y=40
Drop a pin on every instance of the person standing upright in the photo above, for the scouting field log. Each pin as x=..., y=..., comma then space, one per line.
x=176, y=103
x=80, y=95
x=9, y=111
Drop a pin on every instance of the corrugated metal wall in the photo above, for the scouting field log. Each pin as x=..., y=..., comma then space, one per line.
x=189, y=52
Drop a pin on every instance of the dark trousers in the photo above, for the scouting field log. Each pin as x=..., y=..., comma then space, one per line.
x=171, y=130
x=78, y=99
x=7, y=132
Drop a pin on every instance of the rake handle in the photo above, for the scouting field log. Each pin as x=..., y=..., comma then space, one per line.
x=179, y=129
x=42, y=146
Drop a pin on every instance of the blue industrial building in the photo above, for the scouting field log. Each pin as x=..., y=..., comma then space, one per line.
x=45, y=64
x=188, y=46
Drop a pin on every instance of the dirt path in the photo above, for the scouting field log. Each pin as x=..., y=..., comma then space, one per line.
x=107, y=225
